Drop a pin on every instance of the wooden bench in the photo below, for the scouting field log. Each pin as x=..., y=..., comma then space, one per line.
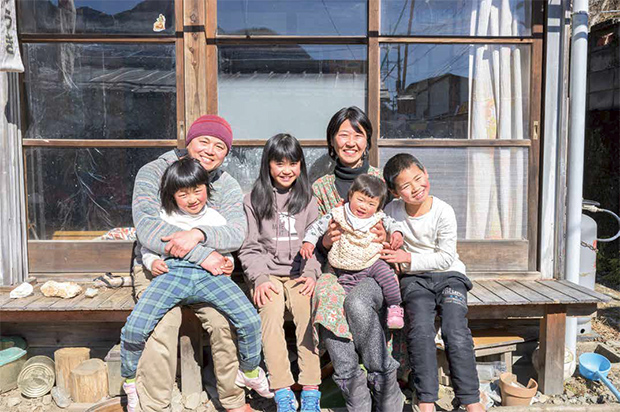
x=549, y=300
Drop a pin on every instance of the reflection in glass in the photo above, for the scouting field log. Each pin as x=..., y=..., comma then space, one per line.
x=486, y=186
x=293, y=18
x=100, y=91
x=81, y=189
x=495, y=18
x=266, y=90
x=243, y=163
x=454, y=91
x=96, y=16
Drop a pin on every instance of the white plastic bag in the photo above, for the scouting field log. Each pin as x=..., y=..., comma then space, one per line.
x=10, y=58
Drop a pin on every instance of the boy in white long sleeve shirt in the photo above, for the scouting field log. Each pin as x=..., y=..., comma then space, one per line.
x=433, y=283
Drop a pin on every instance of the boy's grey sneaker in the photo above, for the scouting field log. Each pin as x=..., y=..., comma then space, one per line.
x=285, y=400
x=310, y=401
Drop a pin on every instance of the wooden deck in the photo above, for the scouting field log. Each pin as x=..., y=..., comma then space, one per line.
x=487, y=300
x=548, y=300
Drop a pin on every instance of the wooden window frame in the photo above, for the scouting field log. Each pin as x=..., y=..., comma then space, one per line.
x=196, y=42
x=62, y=256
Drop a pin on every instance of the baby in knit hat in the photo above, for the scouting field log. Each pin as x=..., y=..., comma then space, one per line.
x=356, y=254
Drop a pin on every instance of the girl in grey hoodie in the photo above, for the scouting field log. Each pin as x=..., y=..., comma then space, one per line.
x=280, y=209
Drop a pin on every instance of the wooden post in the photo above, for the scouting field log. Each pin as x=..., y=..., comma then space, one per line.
x=552, y=329
x=67, y=359
x=88, y=382
x=191, y=354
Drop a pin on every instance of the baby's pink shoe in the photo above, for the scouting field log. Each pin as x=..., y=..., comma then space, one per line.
x=395, y=317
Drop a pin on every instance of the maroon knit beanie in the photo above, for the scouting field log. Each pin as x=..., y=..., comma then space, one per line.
x=210, y=125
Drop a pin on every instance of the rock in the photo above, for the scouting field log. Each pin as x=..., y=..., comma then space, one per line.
x=543, y=398
x=61, y=397
x=192, y=401
x=91, y=292
x=47, y=399
x=23, y=290
x=569, y=393
x=176, y=403
x=12, y=402
x=204, y=397
x=557, y=401
x=65, y=290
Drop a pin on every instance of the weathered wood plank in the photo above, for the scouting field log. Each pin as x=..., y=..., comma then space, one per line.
x=24, y=303
x=593, y=293
x=574, y=293
x=552, y=330
x=64, y=304
x=4, y=298
x=38, y=316
x=484, y=256
x=117, y=299
x=471, y=298
x=45, y=256
x=525, y=291
x=485, y=295
x=503, y=292
x=93, y=304
x=543, y=288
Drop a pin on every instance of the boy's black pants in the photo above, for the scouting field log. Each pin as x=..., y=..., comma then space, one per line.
x=443, y=294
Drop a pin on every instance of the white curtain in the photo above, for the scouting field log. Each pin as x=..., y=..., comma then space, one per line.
x=498, y=110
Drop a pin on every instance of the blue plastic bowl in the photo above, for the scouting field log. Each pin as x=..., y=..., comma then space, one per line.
x=590, y=363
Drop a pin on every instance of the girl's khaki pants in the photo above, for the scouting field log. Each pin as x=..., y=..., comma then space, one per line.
x=274, y=342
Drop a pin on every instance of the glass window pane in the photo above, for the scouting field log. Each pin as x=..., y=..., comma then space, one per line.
x=292, y=18
x=494, y=18
x=455, y=91
x=266, y=90
x=486, y=186
x=81, y=190
x=100, y=91
x=243, y=163
x=96, y=16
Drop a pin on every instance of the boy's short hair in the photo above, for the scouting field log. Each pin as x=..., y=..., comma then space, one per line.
x=396, y=165
x=371, y=186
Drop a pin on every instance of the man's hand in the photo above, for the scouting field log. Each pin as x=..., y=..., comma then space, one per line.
x=159, y=267
x=332, y=235
x=380, y=232
x=396, y=240
x=181, y=243
x=395, y=256
x=306, y=251
x=215, y=263
x=262, y=293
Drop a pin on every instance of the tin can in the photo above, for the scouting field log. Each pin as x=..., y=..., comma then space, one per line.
x=37, y=377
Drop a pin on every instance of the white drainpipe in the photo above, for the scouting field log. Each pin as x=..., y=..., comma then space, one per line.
x=577, y=118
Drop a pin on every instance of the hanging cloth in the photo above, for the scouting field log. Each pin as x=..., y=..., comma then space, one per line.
x=10, y=59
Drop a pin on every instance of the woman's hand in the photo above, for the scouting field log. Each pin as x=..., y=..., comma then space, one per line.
x=181, y=243
x=308, y=288
x=216, y=264
x=379, y=231
x=262, y=293
x=334, y=231
x=159, y=267
x=396, y=240
x=395, y=256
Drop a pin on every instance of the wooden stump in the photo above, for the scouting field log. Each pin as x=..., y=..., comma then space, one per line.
x=66, y=360
x=88, y=382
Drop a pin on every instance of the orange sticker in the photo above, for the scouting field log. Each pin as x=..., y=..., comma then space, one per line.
x=160, y=23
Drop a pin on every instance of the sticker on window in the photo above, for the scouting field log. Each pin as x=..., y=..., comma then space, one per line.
x=160, y=24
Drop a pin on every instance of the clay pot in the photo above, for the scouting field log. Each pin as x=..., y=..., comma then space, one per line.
x=514, y=394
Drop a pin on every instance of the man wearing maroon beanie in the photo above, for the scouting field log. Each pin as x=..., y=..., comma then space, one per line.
x=209, y=140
